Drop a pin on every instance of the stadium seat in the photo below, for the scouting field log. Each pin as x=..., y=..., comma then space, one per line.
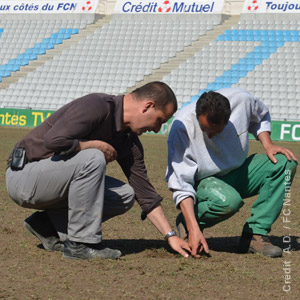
x=259, y=54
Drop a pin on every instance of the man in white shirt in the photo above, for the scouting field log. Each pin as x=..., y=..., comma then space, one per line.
x=210, y=175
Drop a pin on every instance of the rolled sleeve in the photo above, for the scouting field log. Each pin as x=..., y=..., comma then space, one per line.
x=263, y=125
x=73, y=148
x=260, y=119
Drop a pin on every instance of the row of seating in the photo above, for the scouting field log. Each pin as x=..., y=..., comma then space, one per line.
x=31, y=54
x=268, y=69
x=121, y=53
x=144, y=51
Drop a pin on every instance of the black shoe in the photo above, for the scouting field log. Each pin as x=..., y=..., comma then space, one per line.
x=258, y=244
x=76, y=250
x=39, y=224
x=181, y=227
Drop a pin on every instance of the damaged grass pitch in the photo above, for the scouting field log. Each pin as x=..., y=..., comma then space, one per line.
x=149, y=269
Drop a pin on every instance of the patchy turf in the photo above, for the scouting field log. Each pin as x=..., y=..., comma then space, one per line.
x=148, y=269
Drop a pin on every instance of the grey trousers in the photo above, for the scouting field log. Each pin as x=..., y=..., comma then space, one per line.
x=74, y=191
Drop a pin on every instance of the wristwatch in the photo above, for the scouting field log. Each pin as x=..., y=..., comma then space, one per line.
x=168, y=235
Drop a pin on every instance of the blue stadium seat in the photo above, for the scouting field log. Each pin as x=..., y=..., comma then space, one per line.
x=4, y=73
x=23, y=59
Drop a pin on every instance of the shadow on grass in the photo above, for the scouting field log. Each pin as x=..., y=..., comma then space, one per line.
x=133, y=246
x=219, y=244
x=229, y=244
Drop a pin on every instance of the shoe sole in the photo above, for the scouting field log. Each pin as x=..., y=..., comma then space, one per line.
x=253, y=251
x=73, y=257
x=40, y=237
x=65, y=255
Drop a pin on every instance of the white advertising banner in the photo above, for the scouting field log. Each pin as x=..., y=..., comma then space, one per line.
x=169, y=7
x=48, y=7
x=275, y=6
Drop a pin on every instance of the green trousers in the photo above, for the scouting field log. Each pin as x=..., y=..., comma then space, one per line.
x=220, y=197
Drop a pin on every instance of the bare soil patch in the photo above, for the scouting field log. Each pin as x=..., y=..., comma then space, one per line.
x=148, y=268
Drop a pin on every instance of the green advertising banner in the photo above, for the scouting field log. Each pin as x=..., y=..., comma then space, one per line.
x=281, y=130
x=285, y=131
x=22, y=117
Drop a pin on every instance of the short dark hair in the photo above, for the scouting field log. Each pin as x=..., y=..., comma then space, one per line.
x=157, y=91
x=214, y=106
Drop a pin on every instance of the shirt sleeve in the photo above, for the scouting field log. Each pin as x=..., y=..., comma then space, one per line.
x=181, y=165
x=134, y=168
x=74, y=124
x=260, y=119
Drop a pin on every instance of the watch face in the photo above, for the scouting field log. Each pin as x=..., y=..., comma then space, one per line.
x=171, y=233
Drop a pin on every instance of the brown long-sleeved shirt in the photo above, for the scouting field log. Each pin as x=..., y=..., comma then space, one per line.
x=94, y=117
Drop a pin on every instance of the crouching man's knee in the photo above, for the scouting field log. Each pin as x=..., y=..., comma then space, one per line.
x=218, y=200
x=286, y=167
x=231, y=205
x=118, y=199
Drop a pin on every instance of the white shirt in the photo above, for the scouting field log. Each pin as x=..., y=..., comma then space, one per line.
x=192, y=156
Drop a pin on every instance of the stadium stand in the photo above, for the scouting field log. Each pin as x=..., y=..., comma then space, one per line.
x=260, y=54
x=111, y=59
x=124, y=51
x=24, y=40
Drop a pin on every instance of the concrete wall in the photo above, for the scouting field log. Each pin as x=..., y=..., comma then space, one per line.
x=233, y=7
x=105, y=7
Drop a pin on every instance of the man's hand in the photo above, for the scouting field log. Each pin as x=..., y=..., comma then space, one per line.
x=272, y=149
x=197, y=242
x=179, y=246
x=159, y=220
x=109, y=151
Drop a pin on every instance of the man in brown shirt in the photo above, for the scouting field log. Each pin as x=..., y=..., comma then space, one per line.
x=65, y=174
